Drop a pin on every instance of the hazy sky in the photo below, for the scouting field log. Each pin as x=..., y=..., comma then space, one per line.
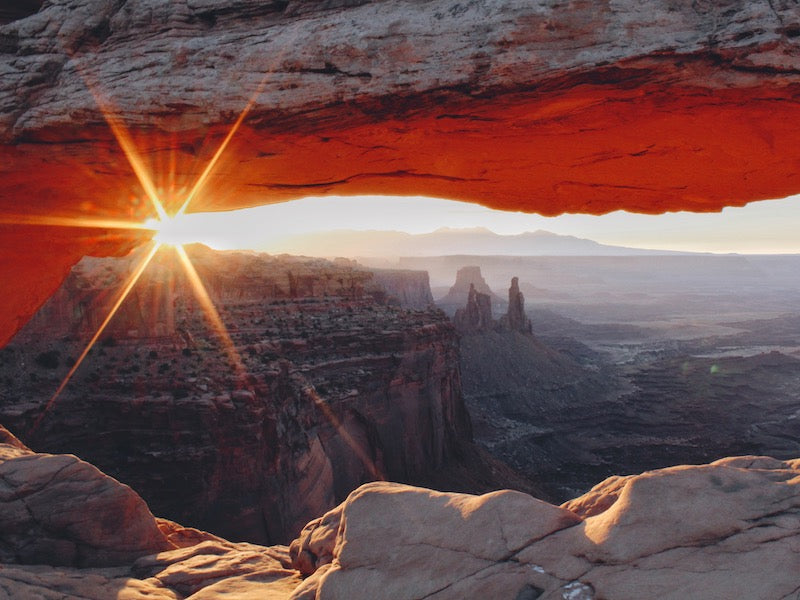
x=760, y=227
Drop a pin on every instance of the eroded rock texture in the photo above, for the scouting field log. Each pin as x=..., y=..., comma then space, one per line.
x=648, y=106
x=327, y=383
x=725, y=530
x=59, y=510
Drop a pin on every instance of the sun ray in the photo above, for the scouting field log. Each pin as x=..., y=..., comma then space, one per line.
x=134, y=277
x=201, y=181
x=129, y=149
x=348, y=439
x=125, y=142
x=211, y=311
x=77, y=222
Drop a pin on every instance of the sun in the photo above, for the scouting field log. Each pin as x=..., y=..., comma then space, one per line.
x=175, y=230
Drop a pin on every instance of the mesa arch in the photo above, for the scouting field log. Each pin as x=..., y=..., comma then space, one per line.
x=538, y=106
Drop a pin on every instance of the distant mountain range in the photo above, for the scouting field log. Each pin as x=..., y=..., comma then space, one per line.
x=446, y=241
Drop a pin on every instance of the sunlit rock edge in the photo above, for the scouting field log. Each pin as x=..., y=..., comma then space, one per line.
x=723, y=530
x=646, y=106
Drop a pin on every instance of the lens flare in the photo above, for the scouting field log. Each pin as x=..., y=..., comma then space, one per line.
x=172, y=231
x=134, y=277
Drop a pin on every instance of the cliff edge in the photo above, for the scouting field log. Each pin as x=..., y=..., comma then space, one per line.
x=724, y=530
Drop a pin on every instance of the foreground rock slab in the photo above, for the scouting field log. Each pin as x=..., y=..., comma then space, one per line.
x=726, y=530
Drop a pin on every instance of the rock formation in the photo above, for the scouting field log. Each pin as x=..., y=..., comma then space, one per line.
x=712, y=535
x=410, y=289
x=59, y=510
x=476, y=315
x=329, y=385
x=515, y=318
x=458, y=295
x=723, y=530
x=514, y=105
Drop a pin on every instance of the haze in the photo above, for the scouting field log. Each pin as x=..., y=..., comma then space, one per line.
x=760, y=227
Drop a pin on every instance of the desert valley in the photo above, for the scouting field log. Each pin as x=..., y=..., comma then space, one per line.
x=439, y=412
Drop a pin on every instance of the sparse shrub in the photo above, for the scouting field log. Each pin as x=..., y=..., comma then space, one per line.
x=108, y=341
x=186, y=352
x=153, y=354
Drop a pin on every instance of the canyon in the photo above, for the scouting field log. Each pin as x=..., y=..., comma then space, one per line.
x=663, y=360
x=324, y=380
x=111, y=108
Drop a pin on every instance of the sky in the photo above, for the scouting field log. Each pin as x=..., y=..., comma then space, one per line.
x=769, y=226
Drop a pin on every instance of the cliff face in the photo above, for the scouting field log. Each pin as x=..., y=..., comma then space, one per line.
x=411, y=289
x=328, y=386
x=513, y=104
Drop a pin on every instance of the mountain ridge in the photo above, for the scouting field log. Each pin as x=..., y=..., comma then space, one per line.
x=451, y=241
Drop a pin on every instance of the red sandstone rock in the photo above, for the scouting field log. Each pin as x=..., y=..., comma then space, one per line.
x=714, y=531
x=724, y=530
x=59, y=510
x=644, y=106
x=335, y=385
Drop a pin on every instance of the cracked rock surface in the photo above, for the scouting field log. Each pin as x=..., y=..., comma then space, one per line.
x=725, y=530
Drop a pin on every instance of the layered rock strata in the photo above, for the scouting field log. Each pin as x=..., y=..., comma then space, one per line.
x=728, y=529
x=516, y=105
x=320, y=384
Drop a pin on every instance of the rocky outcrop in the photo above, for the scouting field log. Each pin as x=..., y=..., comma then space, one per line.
x=514, y=105
x=476, y=315
x=59, y=510
x=322, y=384
x=515, y=318
x=723, y=530
x=458, y=296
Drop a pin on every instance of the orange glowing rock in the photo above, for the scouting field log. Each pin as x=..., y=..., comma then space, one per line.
x=638, y=106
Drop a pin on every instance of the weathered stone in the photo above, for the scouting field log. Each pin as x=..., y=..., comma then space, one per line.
x=681, y=532
x=515, y=318
x=516, y=105
x=724, y=530
x=328, y=384
x=59, y=510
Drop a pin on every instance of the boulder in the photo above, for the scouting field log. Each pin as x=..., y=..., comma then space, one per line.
x=59, y=510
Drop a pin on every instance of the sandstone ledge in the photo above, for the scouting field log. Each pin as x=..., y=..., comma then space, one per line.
x=724, y=530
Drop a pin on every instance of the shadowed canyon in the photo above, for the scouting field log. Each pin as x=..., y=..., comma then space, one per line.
x=182, y=423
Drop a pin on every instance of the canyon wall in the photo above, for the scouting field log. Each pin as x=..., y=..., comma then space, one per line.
x=322, y=383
